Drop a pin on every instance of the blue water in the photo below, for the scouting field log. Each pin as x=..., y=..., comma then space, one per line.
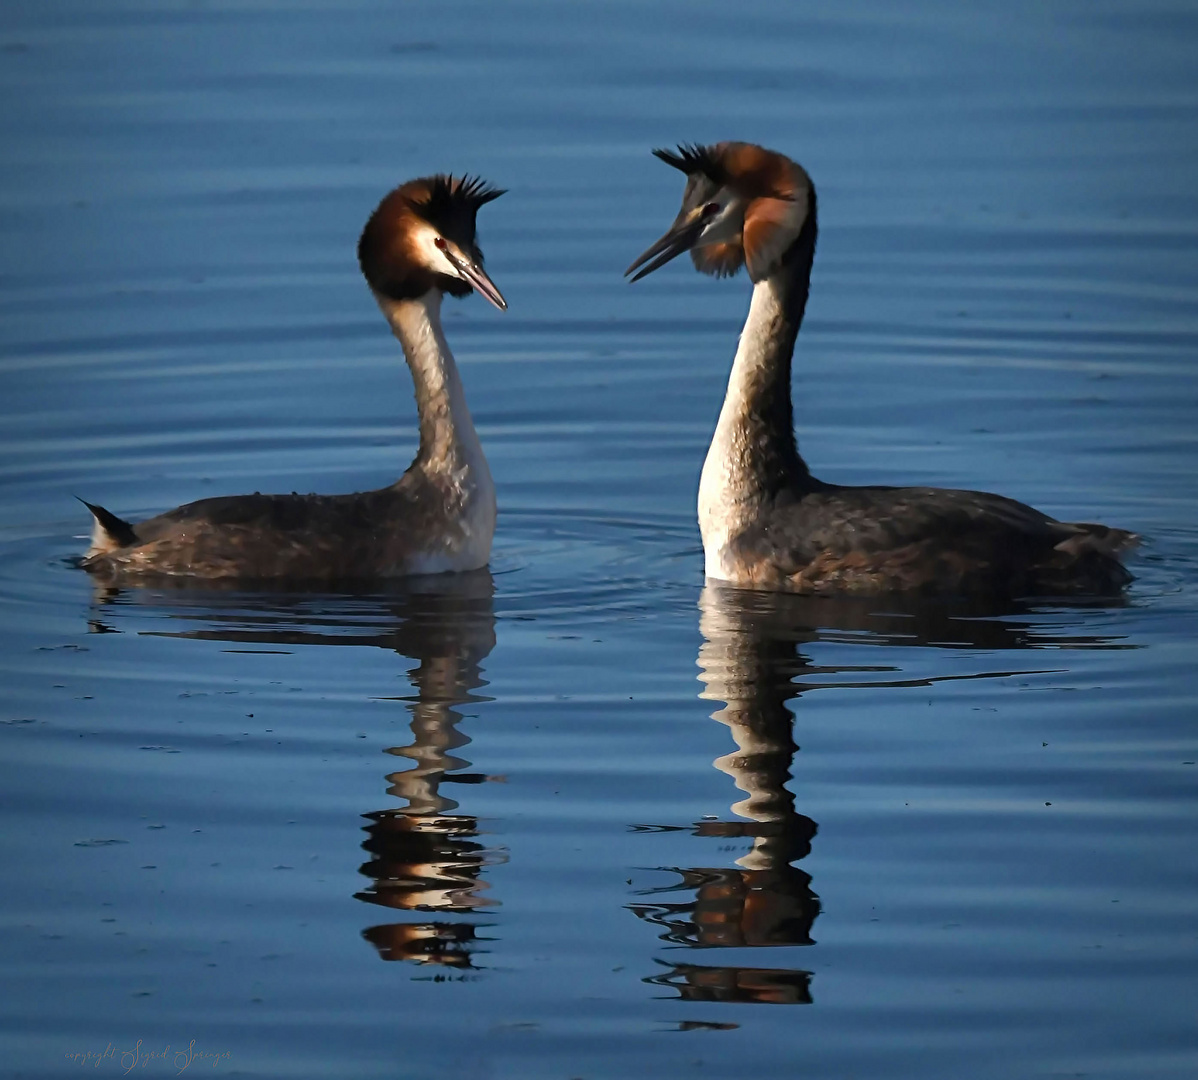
x=584, y=816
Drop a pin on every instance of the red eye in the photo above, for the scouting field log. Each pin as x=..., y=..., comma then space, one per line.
x=711, y=208
x=440, y=243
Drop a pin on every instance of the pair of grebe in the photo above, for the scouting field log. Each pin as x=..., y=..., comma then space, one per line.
x=766, y=522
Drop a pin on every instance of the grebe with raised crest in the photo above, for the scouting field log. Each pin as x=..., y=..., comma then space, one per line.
x=439, y=516
x=766, y=522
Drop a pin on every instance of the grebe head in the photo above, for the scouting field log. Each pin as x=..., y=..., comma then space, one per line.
x=422, y=237
x=743, y=204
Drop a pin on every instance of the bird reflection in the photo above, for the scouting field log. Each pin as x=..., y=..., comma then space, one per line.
x=751, y=656
x=748, y=663
x=423, y=855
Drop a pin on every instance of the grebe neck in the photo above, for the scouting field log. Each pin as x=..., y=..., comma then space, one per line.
x=448, y=441
x=753, y=454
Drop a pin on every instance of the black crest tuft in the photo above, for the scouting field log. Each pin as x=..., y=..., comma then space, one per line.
x=694, y=159
x=448, y=198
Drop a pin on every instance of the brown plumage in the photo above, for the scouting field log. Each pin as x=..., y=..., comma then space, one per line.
x=767, y=523
x=439, y=516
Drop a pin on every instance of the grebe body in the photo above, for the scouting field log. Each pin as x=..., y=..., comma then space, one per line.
x=438, y=517
x=766, y=522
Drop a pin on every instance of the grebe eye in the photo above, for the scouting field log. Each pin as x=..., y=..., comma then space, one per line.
x=711, y=208
x=440, y=243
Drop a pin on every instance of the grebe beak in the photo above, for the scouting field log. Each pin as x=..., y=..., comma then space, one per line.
x=683, y=236
x=477, y=277
x=471, y=272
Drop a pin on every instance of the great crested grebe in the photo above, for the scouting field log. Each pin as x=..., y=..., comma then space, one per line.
x=766, y=522
x=438, y=516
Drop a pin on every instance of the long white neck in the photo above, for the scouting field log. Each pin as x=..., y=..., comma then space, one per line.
x=448, y=441
x=753, y=453
x=462, y=524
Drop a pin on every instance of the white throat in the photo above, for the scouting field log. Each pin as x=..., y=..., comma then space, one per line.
x=729, y=493
x=450, y=450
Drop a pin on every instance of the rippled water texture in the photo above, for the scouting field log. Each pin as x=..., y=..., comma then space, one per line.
x=582, y=816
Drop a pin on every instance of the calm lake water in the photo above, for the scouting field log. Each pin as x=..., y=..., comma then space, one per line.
x=583, y=816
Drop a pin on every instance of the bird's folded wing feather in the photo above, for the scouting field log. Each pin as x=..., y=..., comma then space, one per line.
x=840, y=521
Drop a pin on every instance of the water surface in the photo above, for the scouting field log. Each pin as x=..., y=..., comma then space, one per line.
x=584, y=815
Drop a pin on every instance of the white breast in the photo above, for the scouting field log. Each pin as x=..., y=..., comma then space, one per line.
x=468, y=547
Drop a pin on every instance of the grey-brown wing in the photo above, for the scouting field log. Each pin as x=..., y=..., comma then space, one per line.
x=265, y=515
x=841, y=521
x=271, y=536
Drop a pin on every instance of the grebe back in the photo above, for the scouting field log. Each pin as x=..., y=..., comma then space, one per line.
x=766, y=522
x=439, y=516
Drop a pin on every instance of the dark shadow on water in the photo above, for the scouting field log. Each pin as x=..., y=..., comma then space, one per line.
x=752, y=661
x=423, y=856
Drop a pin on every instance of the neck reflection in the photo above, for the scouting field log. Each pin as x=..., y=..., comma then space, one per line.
x=752, y=662
x=747, y=662
x=423, y=856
